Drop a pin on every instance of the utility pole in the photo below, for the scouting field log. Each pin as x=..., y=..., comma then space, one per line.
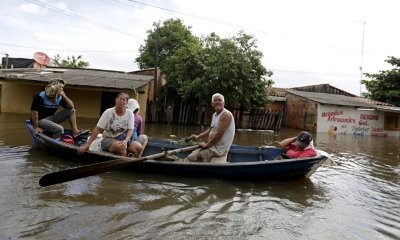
x=156, y=64
x=362, y=56
x=6, y=65
x=155, y=100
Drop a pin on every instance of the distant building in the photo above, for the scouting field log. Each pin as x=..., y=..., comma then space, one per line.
x=91, y=90
x=324, y=108
x=8, y=63
x=153, y=85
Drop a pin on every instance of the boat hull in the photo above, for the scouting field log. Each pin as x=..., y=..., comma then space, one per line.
x=244, y=162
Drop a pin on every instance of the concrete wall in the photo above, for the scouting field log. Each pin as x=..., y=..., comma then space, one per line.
x=349, y=120
x=17, y=98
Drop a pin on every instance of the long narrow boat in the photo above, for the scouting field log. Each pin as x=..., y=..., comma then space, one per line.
x=244, y=162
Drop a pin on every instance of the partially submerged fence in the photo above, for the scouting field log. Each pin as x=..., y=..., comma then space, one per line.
x=194, y=114
x=265, y=119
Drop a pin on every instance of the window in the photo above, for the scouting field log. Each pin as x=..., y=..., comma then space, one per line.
x=392, y=121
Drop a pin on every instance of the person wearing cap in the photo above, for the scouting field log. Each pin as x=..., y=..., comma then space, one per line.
x=57, y=81
x=45, y=117
x=300, y=146
x=140, y=139
x=116, y=125
x=219, y=135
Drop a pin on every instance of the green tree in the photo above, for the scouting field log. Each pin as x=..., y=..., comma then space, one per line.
x=162, y=42
x=385, y=85
x=230, y=66
x=196, y=68
x=70, y=62
x=185, y=72
x=234, y=69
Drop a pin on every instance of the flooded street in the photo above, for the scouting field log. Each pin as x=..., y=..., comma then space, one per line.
x=358, y=198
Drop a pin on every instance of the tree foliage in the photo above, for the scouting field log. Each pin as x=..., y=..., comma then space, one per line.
x=184, y=71
x=70, y=62
x=234, y=69
x=197, y=68
x=162, y=42
x=385, y=85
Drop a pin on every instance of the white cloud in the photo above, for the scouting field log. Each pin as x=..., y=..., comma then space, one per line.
x=60, y=5
x=303, y=42
x=29, y=8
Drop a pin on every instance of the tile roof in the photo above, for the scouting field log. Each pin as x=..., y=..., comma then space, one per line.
x=78, y=77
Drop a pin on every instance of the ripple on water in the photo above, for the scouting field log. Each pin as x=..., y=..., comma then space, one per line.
x=375, y=193
x=355, y=199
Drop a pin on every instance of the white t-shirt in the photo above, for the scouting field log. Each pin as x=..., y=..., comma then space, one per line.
x=115, y=125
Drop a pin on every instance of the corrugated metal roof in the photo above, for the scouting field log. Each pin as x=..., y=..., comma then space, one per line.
x=388, y=108
x=78, y=77
x=334, y=99
x=376, y=102
x=324, y=88
x=276, y=99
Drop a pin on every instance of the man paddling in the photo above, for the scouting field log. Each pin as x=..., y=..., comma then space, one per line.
x=220, y=134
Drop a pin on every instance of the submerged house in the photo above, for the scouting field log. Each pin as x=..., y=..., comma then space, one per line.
x=340, y=112
x=91, y=90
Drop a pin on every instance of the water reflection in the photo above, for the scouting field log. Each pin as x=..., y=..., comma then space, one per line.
x=355, y=199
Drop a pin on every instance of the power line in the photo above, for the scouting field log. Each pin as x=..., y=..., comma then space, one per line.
x=122, y=4
x=50, y=49
x=205, y=18
x=232, y=25
x=68, y=50
x=111, y=51
x=78, y=17
x=39, y=20
x=307, y=72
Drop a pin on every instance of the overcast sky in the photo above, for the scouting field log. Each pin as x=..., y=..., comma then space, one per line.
x=304, y=42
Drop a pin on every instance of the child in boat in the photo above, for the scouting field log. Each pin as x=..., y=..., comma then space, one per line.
x=139, y=139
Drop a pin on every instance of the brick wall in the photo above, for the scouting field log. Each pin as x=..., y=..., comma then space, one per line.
x=301, y=113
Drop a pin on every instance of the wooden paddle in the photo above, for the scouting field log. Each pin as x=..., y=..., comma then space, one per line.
x=102, y=167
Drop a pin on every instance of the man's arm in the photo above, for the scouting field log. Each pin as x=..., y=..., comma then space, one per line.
x=203, y=134
x=35, y=122
x=68, y=102
x=286, y=142
x=92, y=137
x=128, y=136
